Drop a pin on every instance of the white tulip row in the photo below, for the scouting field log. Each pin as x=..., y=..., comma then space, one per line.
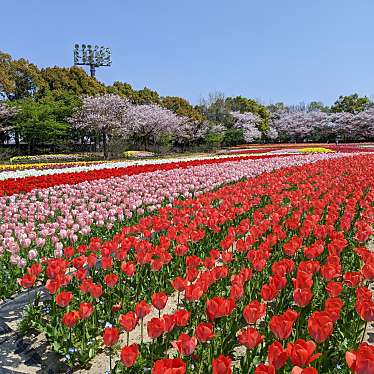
x=110, y=165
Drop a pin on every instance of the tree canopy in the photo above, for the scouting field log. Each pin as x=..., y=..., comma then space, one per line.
x=351, y=104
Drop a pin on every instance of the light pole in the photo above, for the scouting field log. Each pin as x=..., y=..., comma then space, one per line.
x=92, y=56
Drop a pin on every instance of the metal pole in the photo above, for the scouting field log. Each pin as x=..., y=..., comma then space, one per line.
x=92, y=70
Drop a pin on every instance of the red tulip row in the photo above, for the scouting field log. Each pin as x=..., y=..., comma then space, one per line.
x=268, y=275
x=13, y=186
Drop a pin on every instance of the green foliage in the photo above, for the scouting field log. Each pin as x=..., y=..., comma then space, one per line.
x=41, y=121
x=272, y=108
x=144, y=96
x=214, y=140
x=233, y=137
x=317, y=105
x=182, y=107
x=73, y=80
x=352, y=104
x=19, y=79
x=216, y=110
x=243, y=105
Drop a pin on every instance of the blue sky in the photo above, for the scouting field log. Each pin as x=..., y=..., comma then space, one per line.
x=272, y=50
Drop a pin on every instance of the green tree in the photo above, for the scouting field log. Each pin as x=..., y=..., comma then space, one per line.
x=272, y=108
x=351, y=104
x=216, y=110
x=144, y=96
x=181, y=107
x=243, y=105
x=233, y=137
x=122, y=89
x=19, y=79
x=73, y=80
x=317, y=105
x=39, y=122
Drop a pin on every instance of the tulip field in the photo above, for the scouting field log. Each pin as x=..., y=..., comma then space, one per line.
x=225, y=264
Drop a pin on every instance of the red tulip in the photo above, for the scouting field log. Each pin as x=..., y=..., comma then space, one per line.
x=185, y=344
x=111, y=280
x=27, y=281
x=362, y=360
x=308, y=370
x=193, y=292
x=179, y=284
x=110, y=336
x=35, y=269
x=301, y=352
x=269, y=292
x=169, y=366
x=333, y=306
x=368, y=270
x=91, y=260
x=250, y=338
x=218, y=307
x=365, y=309
x=116, y=307
x=159, y=300
x=320, y=326
x=254, y=311
x=86, y=285
x=264, y=369
x=63, y=299
x=302, y=296
x=222, y=365
x=182, y=317
x=169, y=322
x=281, y=325
x=128, y=321
x=155, y=327
x=128, y=268
x=96, y=290
x=142, y=309
x=334, y=288
x=129, y=355
x=352, y=279
x=181, y=250
x=277, y=355
x=236, y=291
x=70, y=319
x=52, y=285
x=107, y=263
x=69, y=252
x=204, y=332
x=85, y=310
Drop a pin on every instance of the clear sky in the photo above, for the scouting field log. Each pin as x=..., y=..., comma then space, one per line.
x=272, y=50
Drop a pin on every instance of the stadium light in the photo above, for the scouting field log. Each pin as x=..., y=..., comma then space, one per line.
x=92, y=56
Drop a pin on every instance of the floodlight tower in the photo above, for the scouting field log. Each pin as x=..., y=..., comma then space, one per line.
x=92, y=56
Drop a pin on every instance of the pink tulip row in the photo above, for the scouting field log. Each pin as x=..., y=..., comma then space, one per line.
x=51, y=218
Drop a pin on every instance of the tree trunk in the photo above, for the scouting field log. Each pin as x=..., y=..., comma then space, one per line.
x=16, y=139
x=105, y=146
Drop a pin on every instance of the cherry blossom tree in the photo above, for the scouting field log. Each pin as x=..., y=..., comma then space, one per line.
x=101, y=114
x=362, y=125
x=297, y=125
x=150, y=123
x=191, y=132
x=272, y=133
x=249, y=123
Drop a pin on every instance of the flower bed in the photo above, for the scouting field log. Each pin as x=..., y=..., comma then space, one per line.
x=266, y=275
x=315, y=150
x=46, y=165
x=138, y=154
x=54, y=158
x=50, y=178
x=43, y=221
